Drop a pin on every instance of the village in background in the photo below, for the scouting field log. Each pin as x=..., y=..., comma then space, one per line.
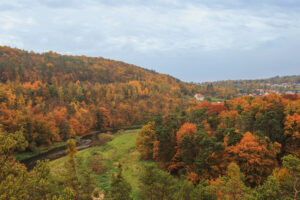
x=219, y=91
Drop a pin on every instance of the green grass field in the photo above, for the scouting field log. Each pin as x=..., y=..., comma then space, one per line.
x=120, y=150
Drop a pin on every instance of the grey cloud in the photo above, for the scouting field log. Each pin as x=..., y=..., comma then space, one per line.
x=167, y=35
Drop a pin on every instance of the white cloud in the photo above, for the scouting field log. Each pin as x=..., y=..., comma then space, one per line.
x=12, y=41
x=152, y=27
x=125, y=29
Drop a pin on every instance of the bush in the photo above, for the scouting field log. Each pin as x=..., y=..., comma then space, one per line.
x=104, y=138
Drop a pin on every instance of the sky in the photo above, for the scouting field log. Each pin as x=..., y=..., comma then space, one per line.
x=193, y=40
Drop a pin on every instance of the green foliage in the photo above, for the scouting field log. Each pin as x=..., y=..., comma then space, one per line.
x=15, y=182
x=292, y=164
x=166, y=146
x=119, y=187
x=10, y=142
x=86, y=184
x=188, y=151
x=203, y=191
x=232, y=185
x=156, y=184
x=197, y=115
x=185, y=189
x=233, y=137
x=120, y=150
x=269, y=190
x=208, y=145
x=271, y=125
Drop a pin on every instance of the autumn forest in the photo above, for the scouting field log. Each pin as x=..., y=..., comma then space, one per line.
x=242, y=147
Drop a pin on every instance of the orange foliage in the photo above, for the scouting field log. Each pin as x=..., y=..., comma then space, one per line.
x=292, y=128
x=254, y=157
x=193, y=177
x=68, y=90
x=228, y=119
x=155, y=150
x=186, y=129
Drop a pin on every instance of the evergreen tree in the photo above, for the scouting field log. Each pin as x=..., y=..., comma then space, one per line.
x=232, y=185
x=187, y=148
x=86, y=184
x=120, y=189
x=156, y=184
x=292, y=164
x=185, y=189
x=71, y=180
x=203, y=191
x=269, y=190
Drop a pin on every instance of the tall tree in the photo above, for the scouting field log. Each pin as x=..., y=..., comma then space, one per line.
x=255, y=156
x=156, y=184
x=292, y=164
x=145, y=141
x=232, y=185
x=120, y=189
x=71, y=176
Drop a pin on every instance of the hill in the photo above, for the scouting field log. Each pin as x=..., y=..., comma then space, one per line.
x=229, y=89
x=54, y=97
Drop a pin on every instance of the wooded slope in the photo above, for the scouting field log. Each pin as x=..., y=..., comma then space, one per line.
x=55, y=97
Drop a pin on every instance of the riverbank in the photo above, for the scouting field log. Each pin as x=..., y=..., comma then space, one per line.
x=41, y=150
x=58, y=149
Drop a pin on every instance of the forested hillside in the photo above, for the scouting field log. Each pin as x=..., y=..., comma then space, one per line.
x=256, y=137
x=53, y=97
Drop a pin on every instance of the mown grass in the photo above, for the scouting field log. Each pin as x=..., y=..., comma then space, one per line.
x=120, y=150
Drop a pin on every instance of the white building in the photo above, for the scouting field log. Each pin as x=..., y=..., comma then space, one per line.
x=199, y=97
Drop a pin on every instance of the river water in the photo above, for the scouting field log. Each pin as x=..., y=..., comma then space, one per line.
x=83, y=143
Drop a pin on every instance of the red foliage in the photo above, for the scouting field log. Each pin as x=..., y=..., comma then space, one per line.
x=97, y=170
x=211, y=107
x=292, y=97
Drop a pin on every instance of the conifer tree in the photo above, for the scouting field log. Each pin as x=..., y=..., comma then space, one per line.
x=120, y=189
x=71, y=179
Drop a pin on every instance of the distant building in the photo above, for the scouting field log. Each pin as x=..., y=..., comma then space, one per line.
x=290, y=92
x=220, y=101
x=199, y=97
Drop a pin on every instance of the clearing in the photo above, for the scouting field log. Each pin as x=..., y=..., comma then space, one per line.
x=120, y=150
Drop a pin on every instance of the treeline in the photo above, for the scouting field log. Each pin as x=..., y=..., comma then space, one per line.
x=55, y=97
x=250, y=141
x=234, y=88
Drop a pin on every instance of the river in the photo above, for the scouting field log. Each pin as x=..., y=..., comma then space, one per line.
x=82, y=143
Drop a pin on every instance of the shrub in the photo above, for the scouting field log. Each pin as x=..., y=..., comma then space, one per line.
x=104, y=138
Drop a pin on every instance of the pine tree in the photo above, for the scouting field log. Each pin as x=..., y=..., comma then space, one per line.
x=156, y=184
x=120, y=189
x=71, y=179
x=232, y=185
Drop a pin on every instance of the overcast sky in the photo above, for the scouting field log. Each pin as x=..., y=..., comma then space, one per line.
x=194, y=40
